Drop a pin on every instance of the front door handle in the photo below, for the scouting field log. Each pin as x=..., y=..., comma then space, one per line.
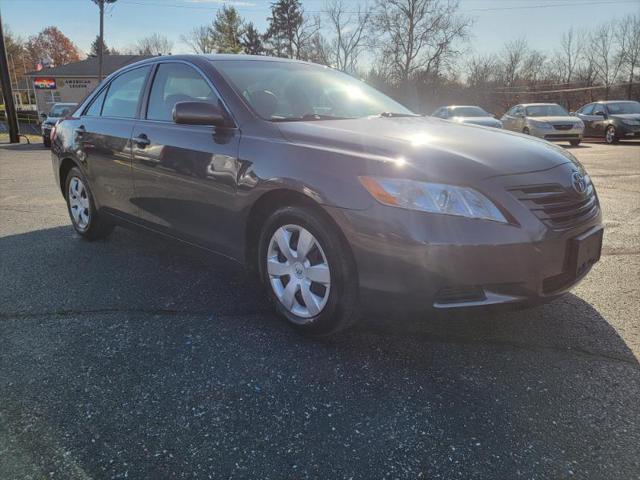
x=141, y=140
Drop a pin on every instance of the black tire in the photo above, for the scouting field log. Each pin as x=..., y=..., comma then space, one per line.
x=610, y=135
x=341, y=309
x=97, y=226
x=46, y=141
x=574, y=143
x=526, y=131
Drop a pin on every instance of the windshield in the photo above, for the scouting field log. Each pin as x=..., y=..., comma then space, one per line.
x=623, y=107
x=469, y=112
x=283, y=91
x=546, y=111
x=60, y=110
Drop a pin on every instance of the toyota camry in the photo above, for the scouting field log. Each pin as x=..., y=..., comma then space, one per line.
x=340, y=199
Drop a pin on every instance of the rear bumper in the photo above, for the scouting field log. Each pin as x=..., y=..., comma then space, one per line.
x=435, y=262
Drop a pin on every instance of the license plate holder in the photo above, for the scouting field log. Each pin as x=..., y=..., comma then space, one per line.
x=584, y=251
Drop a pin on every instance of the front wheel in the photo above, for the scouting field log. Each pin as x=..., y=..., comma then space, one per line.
x=574, y=143
x=610, y=135
x=526, y=131
x=307, y=271
x=84, y=217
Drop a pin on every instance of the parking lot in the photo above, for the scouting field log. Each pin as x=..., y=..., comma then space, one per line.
x=135, y=357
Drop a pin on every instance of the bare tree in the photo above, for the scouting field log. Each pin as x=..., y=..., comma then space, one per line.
x=199, y=40
x=154, y=44
x=568, y=56
x=628, y=34
x=605, y=55
x=513, y=56
x=418, y=35
x=350, y=34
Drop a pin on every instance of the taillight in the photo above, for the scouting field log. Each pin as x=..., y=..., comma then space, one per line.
x=52, y=134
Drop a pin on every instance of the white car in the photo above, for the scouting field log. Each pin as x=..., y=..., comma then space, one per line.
x=544, y=120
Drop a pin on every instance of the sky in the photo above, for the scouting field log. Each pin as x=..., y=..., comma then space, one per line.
x=541, y=22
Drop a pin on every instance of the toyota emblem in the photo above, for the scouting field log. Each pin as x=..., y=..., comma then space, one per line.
x=578, y=182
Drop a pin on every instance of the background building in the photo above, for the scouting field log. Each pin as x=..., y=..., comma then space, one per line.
x=72, y=82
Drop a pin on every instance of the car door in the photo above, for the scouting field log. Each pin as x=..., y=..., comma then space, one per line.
x=586, y=115
x=103, y=139
x=509, y=120
x=600, y=120
x=185, y=176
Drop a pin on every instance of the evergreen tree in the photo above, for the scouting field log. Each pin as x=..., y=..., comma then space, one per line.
x=227, y=31
x=285, y=24
x=252, y=41
x=95, y=45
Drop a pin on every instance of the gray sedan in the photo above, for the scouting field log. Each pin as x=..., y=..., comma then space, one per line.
x=544, y=120
x=341, y=200
x=467, y=114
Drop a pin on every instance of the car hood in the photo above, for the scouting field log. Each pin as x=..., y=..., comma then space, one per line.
x=562, y=118
x=478, y=120
x=428, y=148
x=626, y=116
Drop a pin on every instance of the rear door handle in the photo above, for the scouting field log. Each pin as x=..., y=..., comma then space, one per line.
x=141, y=140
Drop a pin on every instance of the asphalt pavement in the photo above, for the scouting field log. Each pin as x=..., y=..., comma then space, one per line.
x=135, y=357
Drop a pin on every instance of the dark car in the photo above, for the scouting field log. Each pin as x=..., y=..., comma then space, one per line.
x=467, y=114
x=341, y=199
x=58, y=112
x=612, y=120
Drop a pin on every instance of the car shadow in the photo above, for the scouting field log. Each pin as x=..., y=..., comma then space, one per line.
x=141, y=355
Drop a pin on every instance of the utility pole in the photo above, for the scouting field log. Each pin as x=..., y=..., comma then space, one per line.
x=7, y=93
x=100, y=4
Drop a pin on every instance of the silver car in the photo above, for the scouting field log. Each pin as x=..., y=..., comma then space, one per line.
x=544, y=120
x=467, y=114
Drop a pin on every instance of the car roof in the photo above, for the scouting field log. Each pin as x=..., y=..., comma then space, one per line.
x=463, y=106
x=607, y=102
x=537, y=104
x=219, y=57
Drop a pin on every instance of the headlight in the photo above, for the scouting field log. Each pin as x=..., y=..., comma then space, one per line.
x=432, y=198
x=631, y=122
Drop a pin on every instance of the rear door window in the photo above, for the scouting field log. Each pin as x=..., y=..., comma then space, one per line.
x=124, y=94
x=173, y=83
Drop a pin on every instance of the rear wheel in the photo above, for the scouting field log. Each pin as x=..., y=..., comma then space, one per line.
x=84, y=216
x=526, y=131
x=574, y=143
x=610, y=135
x=46, y=141
x=307, y=272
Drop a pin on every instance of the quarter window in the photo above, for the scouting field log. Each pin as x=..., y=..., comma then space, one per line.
x=124, y=94
x=173, y=83
x=96, y=106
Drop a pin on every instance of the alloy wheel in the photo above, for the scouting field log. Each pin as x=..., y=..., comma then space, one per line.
x=79, y=203
x=610, y=135
x=298, y=271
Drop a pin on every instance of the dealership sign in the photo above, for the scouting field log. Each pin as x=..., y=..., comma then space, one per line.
x=44, y=83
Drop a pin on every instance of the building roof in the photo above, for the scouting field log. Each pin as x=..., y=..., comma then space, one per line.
x=89, y=67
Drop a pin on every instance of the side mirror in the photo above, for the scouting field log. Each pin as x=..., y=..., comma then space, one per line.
x=198, y=113
x=43, y=116
x=573, y=114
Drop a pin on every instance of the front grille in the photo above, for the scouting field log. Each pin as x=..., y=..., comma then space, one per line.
x=448, y=295
x=563, y=126
x=557, y=206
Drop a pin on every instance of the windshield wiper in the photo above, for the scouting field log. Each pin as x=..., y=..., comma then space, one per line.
x=308, y=117
x=396, y=114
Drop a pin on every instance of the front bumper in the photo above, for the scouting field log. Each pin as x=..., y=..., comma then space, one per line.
x=413, y=261
x=629, y=131
x=554, y=135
